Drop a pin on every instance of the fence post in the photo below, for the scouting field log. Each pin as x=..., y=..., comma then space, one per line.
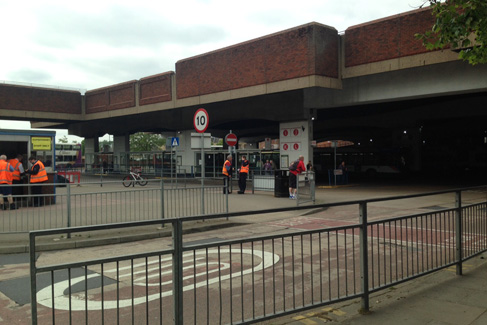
x=177, y=270
x=68, y=206
x=253, y=181
x=33, y=278
x=226, y=189
x=459, y=231
x=364, y=261
x=162, y=199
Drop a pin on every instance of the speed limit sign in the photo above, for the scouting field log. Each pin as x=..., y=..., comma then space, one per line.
x=201, y=120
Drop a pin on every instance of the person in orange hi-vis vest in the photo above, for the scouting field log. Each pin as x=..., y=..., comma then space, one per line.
x=17, y=177
x=244, y=172
x=227, y=174
x=6, y=171
x=38, y=175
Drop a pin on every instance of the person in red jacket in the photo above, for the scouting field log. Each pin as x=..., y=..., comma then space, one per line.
x=293, y=177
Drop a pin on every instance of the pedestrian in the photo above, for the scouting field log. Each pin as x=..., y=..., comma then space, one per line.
x=309, y=166
x=38, y=175
x=296, y=168
x=343, y=178
x=17, y=177
x=227, y=174
x=268, y=167
x=273, y=165
x=6, y=171
x=244, y=172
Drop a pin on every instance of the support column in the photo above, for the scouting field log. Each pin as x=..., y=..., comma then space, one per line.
x=295, y=140
x=121, y=147
x=92, y=148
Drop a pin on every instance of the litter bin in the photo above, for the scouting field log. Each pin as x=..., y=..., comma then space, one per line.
x=281, y=183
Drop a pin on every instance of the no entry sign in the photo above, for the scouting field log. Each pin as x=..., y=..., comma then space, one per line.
x=231, y=139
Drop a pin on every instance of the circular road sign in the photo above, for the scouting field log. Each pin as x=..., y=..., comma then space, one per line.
x=231, y=139
x=201, y=120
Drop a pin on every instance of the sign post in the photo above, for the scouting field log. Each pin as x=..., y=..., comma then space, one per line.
x=200, y=122
x=174, y=147
x=231, y=141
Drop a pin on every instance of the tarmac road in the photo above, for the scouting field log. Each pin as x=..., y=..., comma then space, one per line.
x=441, y=297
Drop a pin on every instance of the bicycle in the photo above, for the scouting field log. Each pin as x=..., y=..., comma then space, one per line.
x=134, y=178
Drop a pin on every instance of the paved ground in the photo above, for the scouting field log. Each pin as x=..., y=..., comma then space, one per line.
x=439, y=298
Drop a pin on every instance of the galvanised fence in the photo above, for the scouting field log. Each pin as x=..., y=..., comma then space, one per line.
x=96, y=203
x=249, y=280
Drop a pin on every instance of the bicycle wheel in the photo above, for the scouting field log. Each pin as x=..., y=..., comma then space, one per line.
x=141, y=181
x=127, y=181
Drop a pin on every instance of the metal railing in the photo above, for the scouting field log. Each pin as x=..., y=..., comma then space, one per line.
x=72, y=206
x=262, y=181
x=255, y=279
x=305, y=187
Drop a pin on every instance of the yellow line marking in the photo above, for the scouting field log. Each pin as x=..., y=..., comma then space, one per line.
x=305, y=320
x=338, y=312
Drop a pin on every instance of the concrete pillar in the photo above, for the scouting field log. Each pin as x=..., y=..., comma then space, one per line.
x=92, y=147
x=295, y=140
x=121, y=145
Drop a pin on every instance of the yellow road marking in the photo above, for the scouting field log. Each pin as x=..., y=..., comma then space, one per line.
x=305, y=320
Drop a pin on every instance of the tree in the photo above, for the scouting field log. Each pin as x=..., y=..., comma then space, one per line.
x=64, y=139
x=460, y=25
x=146, y=142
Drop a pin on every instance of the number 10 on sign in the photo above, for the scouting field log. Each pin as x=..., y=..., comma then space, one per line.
x=201, y=120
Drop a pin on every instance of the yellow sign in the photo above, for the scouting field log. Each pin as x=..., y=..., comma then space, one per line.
x=41, y=143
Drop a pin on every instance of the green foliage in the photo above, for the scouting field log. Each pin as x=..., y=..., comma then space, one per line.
x=64, y=139
x=146, y=142
x=460, y=25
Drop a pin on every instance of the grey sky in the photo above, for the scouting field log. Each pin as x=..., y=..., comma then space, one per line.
x=92, y=44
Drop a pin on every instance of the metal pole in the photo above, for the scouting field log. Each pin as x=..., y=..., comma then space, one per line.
x=335, y=161
x=33, y=278
x=364, y=262
x=162, y=199
x=459, y=231
x=68, y=203
x=177, y=270
x=202, y=173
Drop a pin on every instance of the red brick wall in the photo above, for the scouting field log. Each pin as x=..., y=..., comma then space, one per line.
x=111, y=98
x=24, y=98
x=310, y=49
x=155, y=89
x=387, y=38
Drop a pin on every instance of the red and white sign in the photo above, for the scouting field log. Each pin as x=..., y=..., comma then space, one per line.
x=285, y=132
x=231, y=139
x=291, y=146
x=201, y=120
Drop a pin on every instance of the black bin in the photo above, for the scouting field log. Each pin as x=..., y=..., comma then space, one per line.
x=281, y=183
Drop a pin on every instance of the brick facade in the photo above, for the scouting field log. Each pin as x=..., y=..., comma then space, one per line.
x=306, y=50
x=111, y=98
x=387, y=38
x=21, y=98
x=156, y=89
